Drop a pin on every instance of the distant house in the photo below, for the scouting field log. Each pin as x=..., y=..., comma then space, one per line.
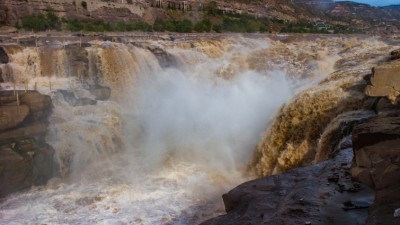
x=320, y=24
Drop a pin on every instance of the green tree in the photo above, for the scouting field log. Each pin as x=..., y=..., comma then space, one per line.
x=159, y=25
x=203, y=26
x=143, y=26
x=217, y=28
x=170, y=27
x=53, y=21
x=184, y=26
x=36, y=23
x=121, y=26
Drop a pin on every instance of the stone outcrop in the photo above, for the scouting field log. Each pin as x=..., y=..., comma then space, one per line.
x=377, y=145
x=3, y=56
x=395, y=54
x=315, y=194
x=25, y=158
x=101, y=93
x=377, y=164
x=12, y=116
x=164, y=58
x=72, y=100
x=385, y=81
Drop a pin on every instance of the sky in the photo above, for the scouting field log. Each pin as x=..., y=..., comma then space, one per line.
x=376, y=2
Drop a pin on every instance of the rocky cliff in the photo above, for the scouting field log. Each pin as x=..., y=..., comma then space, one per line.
x=355, y=15
x=25, y=158
x=377, y=145
x=13, y=11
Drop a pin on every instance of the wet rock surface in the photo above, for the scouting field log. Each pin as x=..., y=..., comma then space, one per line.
x=25, y=158
x=3, y=56
x=395, y=54
x=164, y=58
x=101, y=93
x=315, y=194
x=72, y=100
x=376, y=144
x=377, y=164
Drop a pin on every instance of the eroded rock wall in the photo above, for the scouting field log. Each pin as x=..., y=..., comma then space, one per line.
x=12, y=11
x=25, y=158
x=385, y=80
x=377, y=164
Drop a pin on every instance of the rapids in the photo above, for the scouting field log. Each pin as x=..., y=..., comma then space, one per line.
x=181, y=125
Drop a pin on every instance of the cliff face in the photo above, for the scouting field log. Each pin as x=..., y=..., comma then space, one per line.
x=25, y=158
x=377, y=164
x=377, y=145
x=360, y=16
x=13, y=11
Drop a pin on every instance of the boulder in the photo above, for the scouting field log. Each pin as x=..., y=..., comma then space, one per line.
x=85, y=101
x=25, y=158
x=32, y=130
x=164, y=58
x=101, y=93
x=12, y=116
x=385, y=81
x=23, y=163
x=376, y=164
x=376, y=130
x=16, y=171
x=395, y=54
x=72, y=100
x=320, y=194
x=384, y=105
x=39, y=105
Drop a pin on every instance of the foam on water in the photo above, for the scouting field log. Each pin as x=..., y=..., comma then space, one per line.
x=170, y=141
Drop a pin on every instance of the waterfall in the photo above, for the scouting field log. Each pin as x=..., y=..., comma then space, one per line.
x=180, y=125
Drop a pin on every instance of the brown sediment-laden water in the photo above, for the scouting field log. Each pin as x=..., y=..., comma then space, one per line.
x=155, y=131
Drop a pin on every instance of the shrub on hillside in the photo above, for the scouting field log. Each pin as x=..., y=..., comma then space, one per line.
x=42, y=22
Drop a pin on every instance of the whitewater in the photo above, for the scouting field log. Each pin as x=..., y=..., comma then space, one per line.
x=180, y=129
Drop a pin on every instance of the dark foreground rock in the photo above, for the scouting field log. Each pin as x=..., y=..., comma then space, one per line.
x=25, y=158
x=377, y=164
x=3, y=56
x=320, y=194
x=377, y=144
x=395, y=54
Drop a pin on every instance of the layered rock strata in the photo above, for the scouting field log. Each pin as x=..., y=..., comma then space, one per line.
x=377, y=145
x=377, y=164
